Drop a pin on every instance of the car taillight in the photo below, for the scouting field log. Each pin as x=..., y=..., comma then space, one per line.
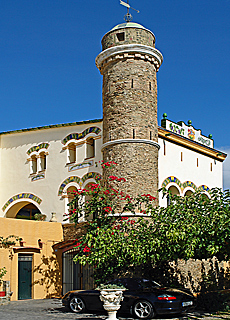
x=166, y=297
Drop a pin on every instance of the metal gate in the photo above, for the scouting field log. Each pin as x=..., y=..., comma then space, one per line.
x=75, y=276
x=25, y=277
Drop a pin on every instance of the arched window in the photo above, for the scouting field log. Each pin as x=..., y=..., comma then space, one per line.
x=70, y=196
x=90, y=148
x=27, y=212
x=174, y=191
x=188, y=193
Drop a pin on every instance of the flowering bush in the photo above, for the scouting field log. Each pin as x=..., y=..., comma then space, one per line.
x=190, y=227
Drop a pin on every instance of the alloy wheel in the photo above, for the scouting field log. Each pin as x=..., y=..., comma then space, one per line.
x=77, y=305
x=143, y=310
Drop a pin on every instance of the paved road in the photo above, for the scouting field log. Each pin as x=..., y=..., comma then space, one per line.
x=51, y=309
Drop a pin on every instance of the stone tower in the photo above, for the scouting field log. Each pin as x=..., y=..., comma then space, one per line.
x=129, y=62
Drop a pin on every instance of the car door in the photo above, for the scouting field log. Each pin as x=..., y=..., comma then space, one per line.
x=92, y=300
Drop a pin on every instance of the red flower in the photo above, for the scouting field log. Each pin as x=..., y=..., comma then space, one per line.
x=107, y=209
x=78, y=244
x=86, y=249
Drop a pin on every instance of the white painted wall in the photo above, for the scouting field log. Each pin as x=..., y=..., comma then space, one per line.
x=15, y=169
x=170, y=164
x=15, y=175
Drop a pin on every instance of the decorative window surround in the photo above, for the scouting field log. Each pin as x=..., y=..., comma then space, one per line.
x=39, y=147
x=37, y=164
x=119, y=141
x=83, y=134
x=184, y=185
x=78, y=180
x=22, y=196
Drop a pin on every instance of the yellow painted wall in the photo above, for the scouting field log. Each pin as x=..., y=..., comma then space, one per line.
x=46, y=273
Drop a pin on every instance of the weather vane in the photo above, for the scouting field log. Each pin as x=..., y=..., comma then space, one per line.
x=128, y=17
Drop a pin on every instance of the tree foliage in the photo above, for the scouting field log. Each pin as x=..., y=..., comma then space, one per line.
x=119, y=241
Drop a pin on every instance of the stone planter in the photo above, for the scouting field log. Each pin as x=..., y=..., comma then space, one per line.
x=111, y=299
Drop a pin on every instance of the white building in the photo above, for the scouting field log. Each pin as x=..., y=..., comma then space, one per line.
x=40, y=165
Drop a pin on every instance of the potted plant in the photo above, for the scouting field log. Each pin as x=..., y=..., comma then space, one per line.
x=39, y=217
x=3, y=271
x=111, y=295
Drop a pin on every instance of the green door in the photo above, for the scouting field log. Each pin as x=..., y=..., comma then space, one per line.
x=24, y=277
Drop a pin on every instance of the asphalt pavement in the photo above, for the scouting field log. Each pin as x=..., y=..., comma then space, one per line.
x=52, y=309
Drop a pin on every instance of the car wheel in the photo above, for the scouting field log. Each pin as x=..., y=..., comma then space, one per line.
x=143, y=310
x=77, y=305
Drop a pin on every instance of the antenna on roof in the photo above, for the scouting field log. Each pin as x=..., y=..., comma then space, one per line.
x=128, y=17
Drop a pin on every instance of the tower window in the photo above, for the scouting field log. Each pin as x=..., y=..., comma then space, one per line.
x=150, y=86
x=120, y=36
x=164, y=147
x=132, y=83
x=133, y=133
x=210, y=166
x=197, y=162
x=181, y=156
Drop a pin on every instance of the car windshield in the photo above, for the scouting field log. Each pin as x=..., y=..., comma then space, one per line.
x=135, y=283
x=146, y=283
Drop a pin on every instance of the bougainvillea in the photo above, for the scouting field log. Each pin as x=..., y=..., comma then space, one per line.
x=119, y=239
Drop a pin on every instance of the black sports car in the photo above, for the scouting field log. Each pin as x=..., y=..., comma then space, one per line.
x=143, y=299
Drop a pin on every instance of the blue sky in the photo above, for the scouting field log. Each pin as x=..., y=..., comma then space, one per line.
x=47, y=61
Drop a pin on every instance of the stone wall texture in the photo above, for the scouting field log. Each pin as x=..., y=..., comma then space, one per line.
x=71, y=231
x=131, y=35
x=129, y=100
x=202, y=275
x=130, y=112
x=138, y=164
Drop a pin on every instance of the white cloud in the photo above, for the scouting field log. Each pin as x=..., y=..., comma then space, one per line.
x=226, y=167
